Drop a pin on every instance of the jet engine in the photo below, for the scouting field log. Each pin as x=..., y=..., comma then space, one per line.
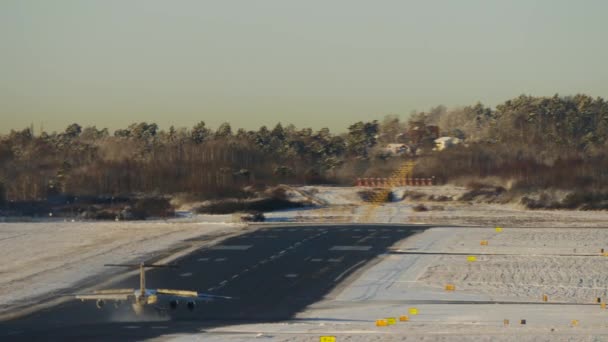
x=191, y=305
x=100, y=303
x=173, y=304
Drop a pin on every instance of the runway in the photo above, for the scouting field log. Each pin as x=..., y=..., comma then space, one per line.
x=273, y=273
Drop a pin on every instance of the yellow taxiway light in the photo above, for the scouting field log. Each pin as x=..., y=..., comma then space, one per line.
x=404, y=318
x=327, y=339
x=391, y=321
x=413, y=311
x=381, y=323
x=450, y=287
x=471, y=258
x=498, y=229
x=483, y=242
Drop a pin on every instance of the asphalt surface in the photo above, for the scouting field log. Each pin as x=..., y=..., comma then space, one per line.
x=273, y=273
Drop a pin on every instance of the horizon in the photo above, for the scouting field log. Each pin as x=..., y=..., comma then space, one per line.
x=112, y=63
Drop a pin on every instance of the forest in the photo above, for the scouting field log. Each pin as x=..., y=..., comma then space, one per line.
x=535, y=142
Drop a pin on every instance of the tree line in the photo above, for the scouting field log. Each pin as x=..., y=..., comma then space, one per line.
x=538, y=141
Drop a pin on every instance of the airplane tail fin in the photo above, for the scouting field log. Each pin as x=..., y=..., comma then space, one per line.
x=142, y=274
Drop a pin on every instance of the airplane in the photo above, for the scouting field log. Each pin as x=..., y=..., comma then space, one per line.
x=144, y=297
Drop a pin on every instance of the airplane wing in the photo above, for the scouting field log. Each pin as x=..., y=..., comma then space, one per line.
x=189, y=295
x=115, y=294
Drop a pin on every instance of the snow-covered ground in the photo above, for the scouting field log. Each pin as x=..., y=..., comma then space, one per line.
x=45, y=259
x=553, y=253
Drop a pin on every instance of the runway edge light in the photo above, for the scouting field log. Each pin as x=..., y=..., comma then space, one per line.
x=381, y=323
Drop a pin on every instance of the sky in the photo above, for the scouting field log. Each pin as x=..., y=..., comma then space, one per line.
x=313, y=63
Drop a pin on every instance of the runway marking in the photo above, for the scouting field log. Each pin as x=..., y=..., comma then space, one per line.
x=232, y=247
x=370, y=230
x=273, y=236
x=291, y=275
x=187, y=274
x=203, y=259
x=316, y=260
x=160, y=327
x=351, y=248
x=221, y=259
x=132, y=327
x=335, y=260
x=211, y=289
x=357, y=230
x=282, y=252
x=224, y=282
x=235, y=276
x=385, y=237
x=356, y=236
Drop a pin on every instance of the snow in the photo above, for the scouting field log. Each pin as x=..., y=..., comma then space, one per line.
x=553, y=253
x=41, y=260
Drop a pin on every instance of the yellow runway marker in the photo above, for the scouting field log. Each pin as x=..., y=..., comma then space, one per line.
x=391, y=321
x=450, y=287
x=498, y=229
x=404, y=318
x=471, y=258
x=413, y=311
x=381, y=323
x=483, y=242
x=327, y=339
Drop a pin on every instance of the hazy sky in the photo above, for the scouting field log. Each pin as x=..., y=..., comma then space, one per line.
x=313, y=63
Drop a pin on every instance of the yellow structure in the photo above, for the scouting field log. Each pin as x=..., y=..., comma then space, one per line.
x=498, y=229
x=603, y=305
x=471, y=258
x=404, y=318
x=405, y=170
x=483, y=242
x=381, y=323
x=391, y=321
x=574, y=322
x=327, y=339
x=545, y=298
x=413, y=311
x=450, y=287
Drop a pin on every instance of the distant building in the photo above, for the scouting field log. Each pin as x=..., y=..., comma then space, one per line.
x=396, y=149
x=445, y=142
